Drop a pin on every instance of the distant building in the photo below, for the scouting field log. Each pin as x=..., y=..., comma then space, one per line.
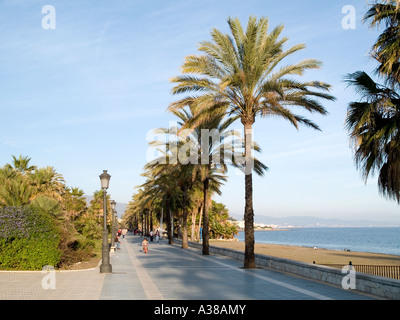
x=240, y=224
x=262, y=226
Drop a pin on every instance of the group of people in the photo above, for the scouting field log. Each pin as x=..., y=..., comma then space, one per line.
x=145, y=242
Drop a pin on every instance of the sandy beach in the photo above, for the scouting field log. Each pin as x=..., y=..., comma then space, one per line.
x=320, y=256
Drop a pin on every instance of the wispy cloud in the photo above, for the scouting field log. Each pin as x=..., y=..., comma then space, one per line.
x=9, y=141
x=326, y=145
x=98, y=118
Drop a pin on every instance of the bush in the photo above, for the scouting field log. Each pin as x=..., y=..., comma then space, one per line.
x=74, y=247
x=29, y=239
x=89, y=227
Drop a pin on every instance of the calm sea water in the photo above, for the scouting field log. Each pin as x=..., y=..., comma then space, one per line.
x=377, y=240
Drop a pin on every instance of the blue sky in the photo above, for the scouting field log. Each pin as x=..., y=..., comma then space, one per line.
x=83, y=97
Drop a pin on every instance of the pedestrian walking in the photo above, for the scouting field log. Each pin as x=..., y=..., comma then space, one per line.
x=145, y=245
x=124, y=233
x=151, y=235
x=117, y=242
x=157, y=236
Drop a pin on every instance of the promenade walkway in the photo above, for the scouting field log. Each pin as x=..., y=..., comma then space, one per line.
x=167, y=272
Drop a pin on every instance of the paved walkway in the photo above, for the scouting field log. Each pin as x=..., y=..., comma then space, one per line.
x=167, y=273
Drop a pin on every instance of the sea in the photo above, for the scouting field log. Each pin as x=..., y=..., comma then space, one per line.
x=376, y=240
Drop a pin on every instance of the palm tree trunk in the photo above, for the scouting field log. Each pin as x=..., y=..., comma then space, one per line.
x=142, y=223
x=161, y=222
x=185, y=244
x=200, y=223
x=249, y=260
x=179, y=233
x=192, y=236
x=151, y=221
x=206, y=235
x=169, y=222
x=172, y=224
x=145, y=223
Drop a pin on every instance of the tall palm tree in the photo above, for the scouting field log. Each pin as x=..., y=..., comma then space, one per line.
x=374, y=121
x=186, y=182
x=206, y=170
x=386, y=48
x=374, y=124
x=162, y=183
x=184, y=177
x=240, y=73
x=216, y=147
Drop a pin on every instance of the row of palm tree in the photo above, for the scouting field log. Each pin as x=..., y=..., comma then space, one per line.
x=374, y=121
x=237, y=76
x=240, y=75
x=187, y=173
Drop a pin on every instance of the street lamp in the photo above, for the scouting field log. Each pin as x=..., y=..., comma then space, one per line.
x=105, y=266
x=113, y=204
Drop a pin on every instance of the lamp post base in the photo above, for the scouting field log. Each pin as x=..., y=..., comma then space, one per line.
x=105, y=268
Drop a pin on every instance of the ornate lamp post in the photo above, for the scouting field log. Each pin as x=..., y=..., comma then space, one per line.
x=113, y=204
x=105, y=266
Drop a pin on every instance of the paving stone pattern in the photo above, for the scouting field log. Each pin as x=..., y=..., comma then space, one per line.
x=168, y=272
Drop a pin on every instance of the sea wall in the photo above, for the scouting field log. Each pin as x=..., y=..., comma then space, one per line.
x=379, y=286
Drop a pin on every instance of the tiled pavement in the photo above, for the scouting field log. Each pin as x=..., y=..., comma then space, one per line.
x=167, y=273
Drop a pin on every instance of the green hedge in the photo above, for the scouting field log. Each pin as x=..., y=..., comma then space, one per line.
x=29, y=239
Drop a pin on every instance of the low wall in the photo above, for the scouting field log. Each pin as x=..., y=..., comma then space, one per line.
x=379, y=286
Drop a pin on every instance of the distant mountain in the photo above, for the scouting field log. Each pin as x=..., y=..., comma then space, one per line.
x=308, y=222
x=291, y=221
x=120, y=207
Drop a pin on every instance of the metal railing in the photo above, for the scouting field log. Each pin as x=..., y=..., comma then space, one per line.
x=392, y=272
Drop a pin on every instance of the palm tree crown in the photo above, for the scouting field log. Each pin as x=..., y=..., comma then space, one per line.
x=386, y=48
x=373, y=123
x=239, y=73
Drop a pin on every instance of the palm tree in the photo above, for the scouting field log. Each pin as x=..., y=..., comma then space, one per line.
x=374, y=124
x=209, y=172
x=21, y=164
x=15, y=191
x=48, y=182
x=374, y=121
x=15, y=187
x=183, y=176
x=48, y=205
x=74, y=202
x=186, y=181
x=386, y=48
x=239, y=73
x=162, y=183
x=216, y=147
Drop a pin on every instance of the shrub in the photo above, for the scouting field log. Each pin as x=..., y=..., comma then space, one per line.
x=29, y=239
x=89, y=227
x=73, y=246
